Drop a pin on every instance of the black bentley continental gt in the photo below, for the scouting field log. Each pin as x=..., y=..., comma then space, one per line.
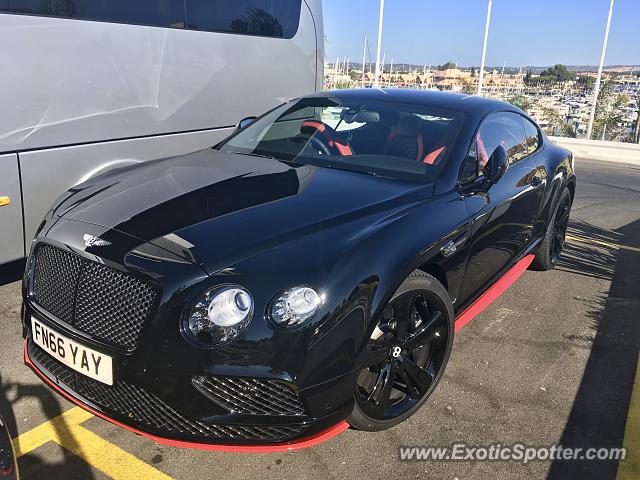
x=305, y=275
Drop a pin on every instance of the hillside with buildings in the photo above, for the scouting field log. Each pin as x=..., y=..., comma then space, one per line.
x=558, y=97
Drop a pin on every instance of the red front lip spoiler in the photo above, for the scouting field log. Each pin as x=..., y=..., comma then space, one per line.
x=316, y=439
x=465, y=317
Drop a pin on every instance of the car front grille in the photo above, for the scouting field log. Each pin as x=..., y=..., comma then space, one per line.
x=143, y=409
x=103, y=302
x=251, y=396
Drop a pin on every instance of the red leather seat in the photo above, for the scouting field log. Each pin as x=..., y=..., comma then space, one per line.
x=448, y=138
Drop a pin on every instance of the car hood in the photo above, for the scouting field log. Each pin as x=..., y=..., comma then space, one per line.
x=215, y=209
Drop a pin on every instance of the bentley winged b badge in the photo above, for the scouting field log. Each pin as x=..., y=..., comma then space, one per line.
x=92, y=241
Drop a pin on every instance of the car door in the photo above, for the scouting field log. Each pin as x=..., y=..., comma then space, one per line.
x=502, y=213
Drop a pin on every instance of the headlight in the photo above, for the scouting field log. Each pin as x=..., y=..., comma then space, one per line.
x=295, y=305
x=219, y=316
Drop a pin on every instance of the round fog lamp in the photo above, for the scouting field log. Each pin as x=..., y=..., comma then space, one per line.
x=295, y=305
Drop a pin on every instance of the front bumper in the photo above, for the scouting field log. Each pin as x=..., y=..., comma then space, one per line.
x=156, y=391
x=54, y=376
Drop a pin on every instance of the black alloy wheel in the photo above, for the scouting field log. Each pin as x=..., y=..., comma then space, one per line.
x=559, y=228
x=406, y=355
x=552, y=245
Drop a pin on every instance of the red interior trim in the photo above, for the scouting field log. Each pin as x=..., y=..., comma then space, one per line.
x=316, y=439
x=484, y=157
x=494, y=291
x=431, y=157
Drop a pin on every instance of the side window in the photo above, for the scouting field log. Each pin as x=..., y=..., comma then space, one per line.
x=502, y=129
x=270, y=18
x=532, y=136
x=499, y=129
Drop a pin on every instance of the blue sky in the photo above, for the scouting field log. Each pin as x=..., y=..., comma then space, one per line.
x=523, y=32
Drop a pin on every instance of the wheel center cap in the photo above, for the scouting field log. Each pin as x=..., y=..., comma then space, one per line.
x=396, y=351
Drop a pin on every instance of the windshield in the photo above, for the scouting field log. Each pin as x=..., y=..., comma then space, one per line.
x=395, y=140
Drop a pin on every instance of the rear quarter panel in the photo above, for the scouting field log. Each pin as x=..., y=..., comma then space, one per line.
x=555, y=165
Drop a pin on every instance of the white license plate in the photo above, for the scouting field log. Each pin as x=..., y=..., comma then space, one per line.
x=85, y=360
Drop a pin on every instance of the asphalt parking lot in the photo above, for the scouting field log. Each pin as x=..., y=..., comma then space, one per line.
x=552, y=361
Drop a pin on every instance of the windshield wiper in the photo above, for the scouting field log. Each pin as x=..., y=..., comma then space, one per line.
x=252, y=154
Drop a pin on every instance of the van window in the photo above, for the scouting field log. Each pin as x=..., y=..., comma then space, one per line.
x=269, y=18
x=159, y=13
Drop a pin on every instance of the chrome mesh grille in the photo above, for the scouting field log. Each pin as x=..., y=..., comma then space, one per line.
x=147, y=410
x=103, y=302
x=252, y=396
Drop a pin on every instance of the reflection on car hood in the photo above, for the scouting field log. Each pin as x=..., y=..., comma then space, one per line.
x=216, y=208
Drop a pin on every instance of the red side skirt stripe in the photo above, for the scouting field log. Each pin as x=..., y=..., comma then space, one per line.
x=469, y=314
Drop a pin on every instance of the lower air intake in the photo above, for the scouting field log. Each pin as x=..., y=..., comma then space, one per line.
x=251, y=396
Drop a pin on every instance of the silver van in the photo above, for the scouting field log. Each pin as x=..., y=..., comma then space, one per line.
x=91, y=85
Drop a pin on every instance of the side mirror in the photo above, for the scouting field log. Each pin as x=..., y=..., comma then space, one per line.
x=498, y=163
x=244, y=123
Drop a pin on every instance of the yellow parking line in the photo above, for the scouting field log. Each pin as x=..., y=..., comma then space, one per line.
x=106, y=457
x=54, y=430
x=602, y=243
x=66, y=430
x=629, y=468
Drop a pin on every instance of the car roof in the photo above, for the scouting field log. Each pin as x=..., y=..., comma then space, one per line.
x=470, y=105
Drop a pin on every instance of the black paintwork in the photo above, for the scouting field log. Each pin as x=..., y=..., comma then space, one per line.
x=212, y=218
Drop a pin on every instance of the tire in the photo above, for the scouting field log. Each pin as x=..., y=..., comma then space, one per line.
x=417, y=286
x=551, y=247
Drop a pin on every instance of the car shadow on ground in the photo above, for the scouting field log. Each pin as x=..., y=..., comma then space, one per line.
x=599, y=412
x=32, y=465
